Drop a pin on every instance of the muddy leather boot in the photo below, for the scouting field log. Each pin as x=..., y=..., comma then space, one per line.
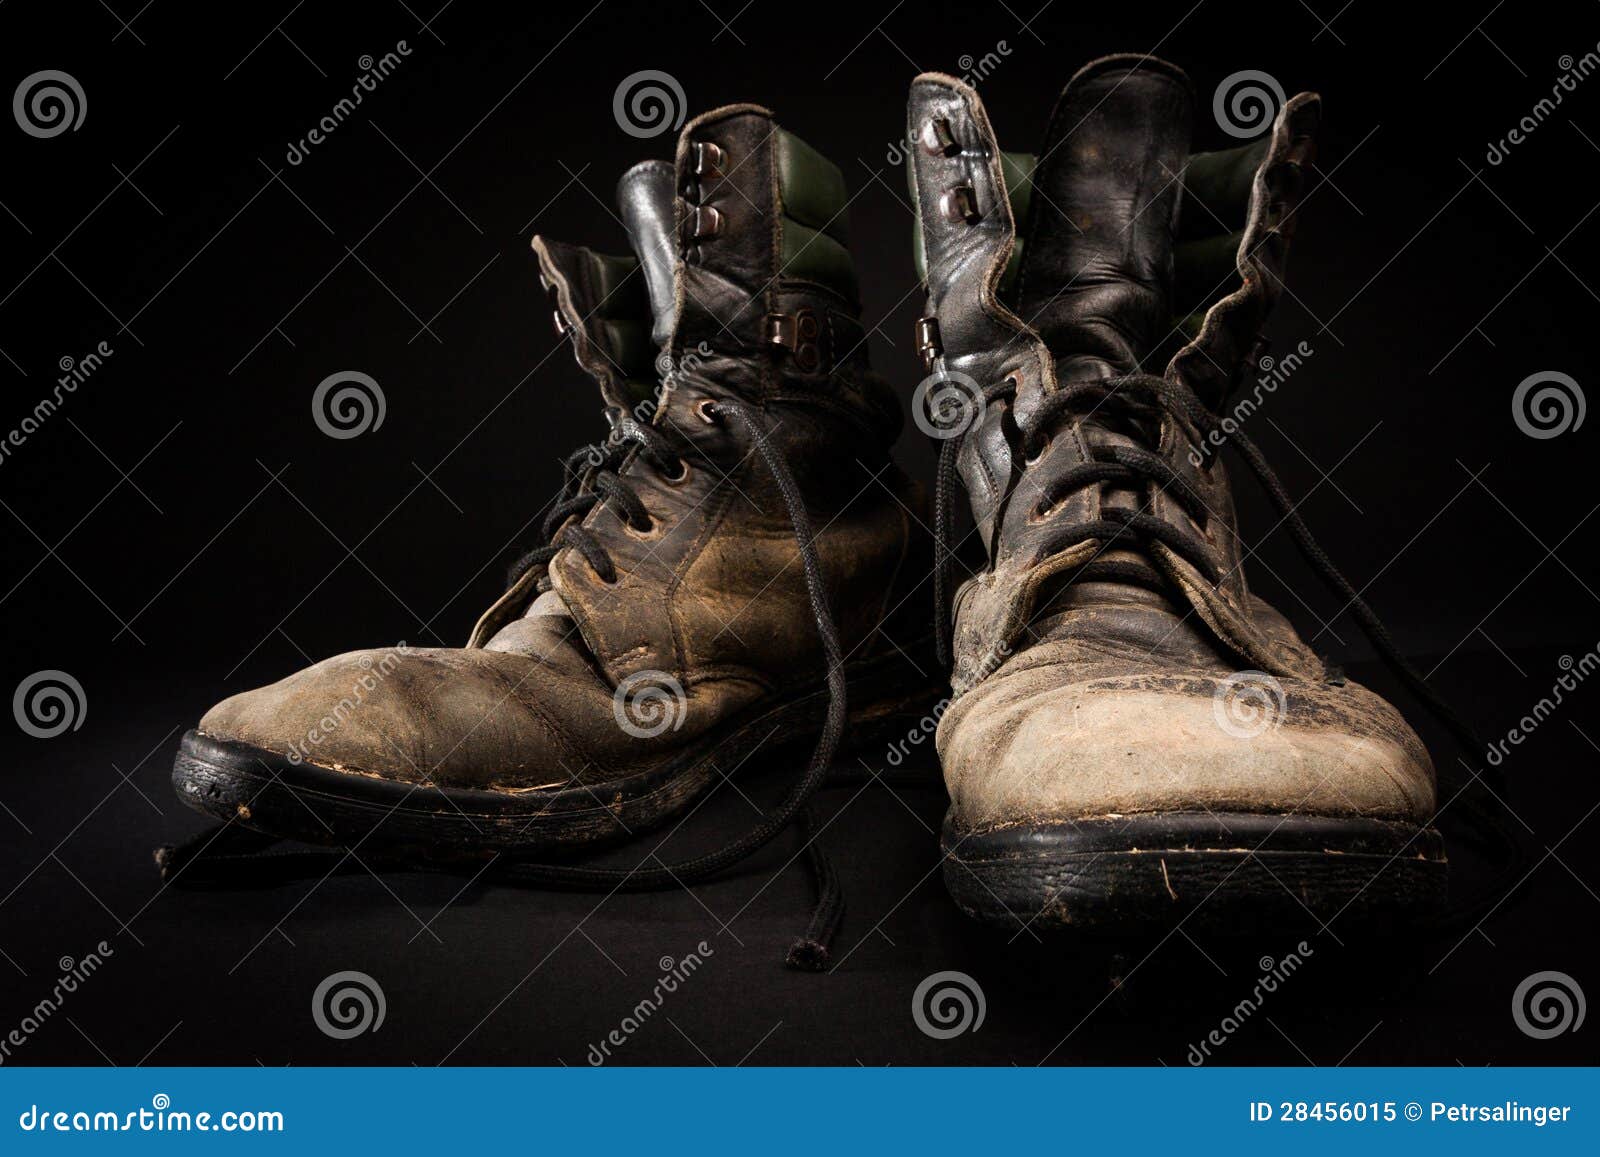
x=719, y=576
x=1135, y=735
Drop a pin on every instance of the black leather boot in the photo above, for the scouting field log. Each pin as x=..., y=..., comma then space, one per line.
x=1136, y=735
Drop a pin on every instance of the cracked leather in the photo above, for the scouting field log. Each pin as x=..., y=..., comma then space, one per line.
x=713, y=596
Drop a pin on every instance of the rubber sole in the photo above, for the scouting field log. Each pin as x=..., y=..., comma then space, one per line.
x=1237, y=870
x=266, y=792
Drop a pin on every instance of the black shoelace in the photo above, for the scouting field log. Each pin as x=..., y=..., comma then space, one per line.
x=1139, y=398
x=811, y=951
x=589, y=478
x=233, y=855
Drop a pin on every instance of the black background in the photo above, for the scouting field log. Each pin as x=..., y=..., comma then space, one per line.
x=181, y=529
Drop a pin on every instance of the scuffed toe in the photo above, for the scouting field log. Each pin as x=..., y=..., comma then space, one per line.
x=1035, y=746
x=447, y=717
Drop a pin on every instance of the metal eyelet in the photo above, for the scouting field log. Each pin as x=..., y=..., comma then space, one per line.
x=1043, y=450
x=651, y=532
x=930, y=346
x=705, y=221
x=709, y=159
x=960, y=203
x=808, y=354
x=563, y=326
x=680, y=477
x=937, y=140
x=798, y=333
x=705, y=410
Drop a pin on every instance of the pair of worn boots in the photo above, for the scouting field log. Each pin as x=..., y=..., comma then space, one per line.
x=1130, y=735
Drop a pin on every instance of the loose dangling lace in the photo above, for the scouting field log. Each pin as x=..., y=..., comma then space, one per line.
x=234, y=856
x=589, y=478
x=811, y=951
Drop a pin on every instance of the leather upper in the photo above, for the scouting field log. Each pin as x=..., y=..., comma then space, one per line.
x=1125, y=706
x=1079, y=698
x=1097, y=270
x=739, y=290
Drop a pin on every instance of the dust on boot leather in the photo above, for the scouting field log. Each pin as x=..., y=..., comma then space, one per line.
x=723, y=570
x=1135, y=734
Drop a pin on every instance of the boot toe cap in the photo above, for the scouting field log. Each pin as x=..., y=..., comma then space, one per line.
x=1035, y=746
x=444, y=717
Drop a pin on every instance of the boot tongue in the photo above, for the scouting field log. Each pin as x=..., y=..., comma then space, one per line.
x=1096, y=273
x=1097, y=263
x=649, y=208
